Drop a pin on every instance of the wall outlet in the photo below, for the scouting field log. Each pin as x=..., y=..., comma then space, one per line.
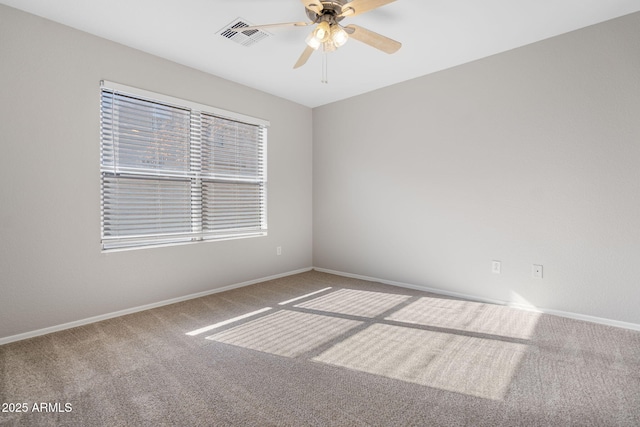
x=279, y=250
x=495, y=267
x=537, y=271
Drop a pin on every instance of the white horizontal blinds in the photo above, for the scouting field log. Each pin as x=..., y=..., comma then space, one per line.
x=144, y=206
x=172, y=173
x=146, y=171
x=231, y=149
x=142, y=136
x=233, y=175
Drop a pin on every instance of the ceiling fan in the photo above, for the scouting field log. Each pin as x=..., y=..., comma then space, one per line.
x=328, y=33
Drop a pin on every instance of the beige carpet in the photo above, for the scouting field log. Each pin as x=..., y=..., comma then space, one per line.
x=321, y=350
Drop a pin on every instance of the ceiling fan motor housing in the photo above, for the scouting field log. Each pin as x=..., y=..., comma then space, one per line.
x=331, y=11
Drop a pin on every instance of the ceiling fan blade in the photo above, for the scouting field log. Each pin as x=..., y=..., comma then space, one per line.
x=304, y=57
x=260, y=27
x=356, y=7
x=376, y=40
x=313, y=5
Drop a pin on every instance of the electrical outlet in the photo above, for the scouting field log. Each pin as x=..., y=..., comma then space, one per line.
x=537, y=271
x=279, y=250
x=495, y=267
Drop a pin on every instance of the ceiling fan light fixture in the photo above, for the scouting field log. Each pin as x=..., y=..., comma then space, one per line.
x=329, y=46
x=313, y=42
x=338, y=36
x=322, y=32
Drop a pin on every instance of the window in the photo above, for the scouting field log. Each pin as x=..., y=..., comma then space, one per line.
x=175, y=172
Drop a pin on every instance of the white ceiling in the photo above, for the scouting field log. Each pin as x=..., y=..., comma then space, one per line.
x=436, y=34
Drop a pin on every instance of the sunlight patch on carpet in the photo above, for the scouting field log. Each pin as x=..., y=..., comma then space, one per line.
x=289, y=301
x=472, y=366
x=355, y=303
x=469, y=316
x=226, y=322
x=286, y=333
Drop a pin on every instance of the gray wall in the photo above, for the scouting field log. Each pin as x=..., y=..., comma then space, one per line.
x=530, y=156
x=51, y=268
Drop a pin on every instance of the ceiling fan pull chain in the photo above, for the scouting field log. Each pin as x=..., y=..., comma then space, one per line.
x=325, y=78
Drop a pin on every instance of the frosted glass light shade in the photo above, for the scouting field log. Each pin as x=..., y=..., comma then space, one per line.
x=312, y=41
x=338, y=35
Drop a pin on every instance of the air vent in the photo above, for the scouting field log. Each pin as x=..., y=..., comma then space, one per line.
x=245, y=38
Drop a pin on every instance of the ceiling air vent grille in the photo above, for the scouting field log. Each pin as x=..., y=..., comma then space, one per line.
x=245, y=38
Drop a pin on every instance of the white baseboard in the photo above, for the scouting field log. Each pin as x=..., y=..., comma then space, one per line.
x=570, y=315
x=44, y=331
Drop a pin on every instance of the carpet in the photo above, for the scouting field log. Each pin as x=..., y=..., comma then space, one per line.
x=315, y=349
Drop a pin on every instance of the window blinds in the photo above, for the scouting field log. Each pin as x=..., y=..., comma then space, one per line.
x=176, y=172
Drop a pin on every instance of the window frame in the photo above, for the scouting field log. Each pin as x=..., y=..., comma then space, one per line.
x=197, y=173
